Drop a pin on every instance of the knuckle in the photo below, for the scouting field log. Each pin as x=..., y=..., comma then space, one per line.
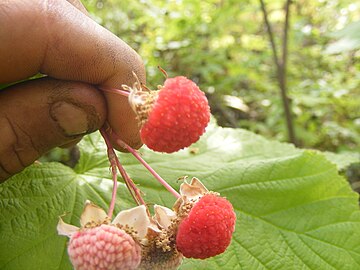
x=15, y=147
x=4, y=174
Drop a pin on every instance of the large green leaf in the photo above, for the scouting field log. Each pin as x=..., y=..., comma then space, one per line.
x=293, y=209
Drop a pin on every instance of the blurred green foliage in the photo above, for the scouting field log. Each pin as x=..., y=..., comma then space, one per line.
x=224, y=47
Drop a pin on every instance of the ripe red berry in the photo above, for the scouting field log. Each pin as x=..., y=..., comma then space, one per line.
x=208, y=228
x=173, y=117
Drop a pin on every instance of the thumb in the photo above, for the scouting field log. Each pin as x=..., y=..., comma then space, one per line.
x=39, y=115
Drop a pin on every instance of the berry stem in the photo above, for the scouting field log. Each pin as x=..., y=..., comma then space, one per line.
x=163, y=72
x=115, y=163
x=114, y=191
x=130, y=183
x=115, y=91
x=148, y=167
x=111, y=157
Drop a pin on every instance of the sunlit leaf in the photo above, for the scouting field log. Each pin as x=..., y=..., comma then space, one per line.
x=293, y=209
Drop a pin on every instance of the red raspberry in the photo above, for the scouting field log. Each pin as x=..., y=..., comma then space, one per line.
x=102, y=248
x=173, y=117
x=208, y=228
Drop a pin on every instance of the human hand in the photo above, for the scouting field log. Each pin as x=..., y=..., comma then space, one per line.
x=57, y=38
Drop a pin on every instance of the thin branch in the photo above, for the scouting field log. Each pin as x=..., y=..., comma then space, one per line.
x=271, y=35
x=285, y=35
x=281, y=65
x=283, y=76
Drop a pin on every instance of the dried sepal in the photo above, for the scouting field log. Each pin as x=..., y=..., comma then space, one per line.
x=194, y=189
x=141, y=99
x=142, y=102
x=190, y=193
x=65, y=228
x=163, y=216
x=134, y=221
x=135, y=218
x=92, y=215
x=159, y=251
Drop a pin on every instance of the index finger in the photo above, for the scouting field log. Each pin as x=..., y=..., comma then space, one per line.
x=55, y=38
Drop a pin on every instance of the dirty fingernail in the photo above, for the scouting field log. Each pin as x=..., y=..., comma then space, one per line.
x=70, y=118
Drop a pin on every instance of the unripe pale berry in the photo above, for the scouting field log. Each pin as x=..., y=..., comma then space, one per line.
x=103, y=245
x=102, y=248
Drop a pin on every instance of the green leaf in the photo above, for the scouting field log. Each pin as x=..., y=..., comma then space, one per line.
x=294, y=211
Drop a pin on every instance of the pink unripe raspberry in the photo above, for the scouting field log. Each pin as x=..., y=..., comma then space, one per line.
x=103, y=248
x=208, y=228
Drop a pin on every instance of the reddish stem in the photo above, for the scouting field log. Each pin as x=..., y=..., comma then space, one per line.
x=148, y=167
x=130, y=183
x=115, y=163
x=111, y=156
x=114, y=178
x=163, y=72
x=115, y=91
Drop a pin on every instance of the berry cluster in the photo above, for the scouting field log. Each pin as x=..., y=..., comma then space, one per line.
x=199, y=225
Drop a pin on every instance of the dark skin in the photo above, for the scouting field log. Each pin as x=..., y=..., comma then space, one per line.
x=59, y=39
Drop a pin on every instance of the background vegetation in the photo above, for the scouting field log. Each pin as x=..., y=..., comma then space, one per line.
x=224, y=46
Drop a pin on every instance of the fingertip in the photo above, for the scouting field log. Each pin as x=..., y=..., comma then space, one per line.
x=122, y=120
x=119, y=146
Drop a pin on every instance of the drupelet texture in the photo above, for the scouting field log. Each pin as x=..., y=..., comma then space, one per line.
x=102, y=248
x=207, y=230
x=178, y=116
